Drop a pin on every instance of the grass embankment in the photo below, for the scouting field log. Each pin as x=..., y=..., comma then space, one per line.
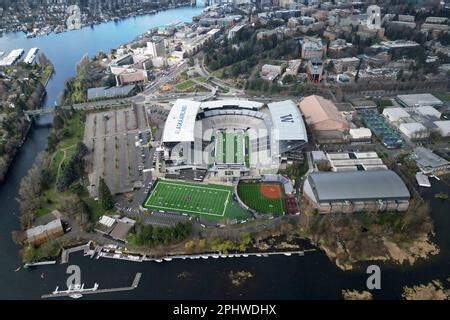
x=444, y=96
x=72, y=133
x=47, y=74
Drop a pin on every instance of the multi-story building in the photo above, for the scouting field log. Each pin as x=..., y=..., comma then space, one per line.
x=156, y=47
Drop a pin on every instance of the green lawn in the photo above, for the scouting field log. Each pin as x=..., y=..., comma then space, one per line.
x=444, y=97
x=250, y=194
x=214, y=202
x=185, y=85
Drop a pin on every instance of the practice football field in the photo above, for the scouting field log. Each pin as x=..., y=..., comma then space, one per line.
x=208, y=200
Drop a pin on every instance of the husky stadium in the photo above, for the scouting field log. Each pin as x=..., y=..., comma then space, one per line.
x=230, y=139
x=218, y=160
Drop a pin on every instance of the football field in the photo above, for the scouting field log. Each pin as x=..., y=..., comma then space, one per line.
x=185, y=197
x=229, y=147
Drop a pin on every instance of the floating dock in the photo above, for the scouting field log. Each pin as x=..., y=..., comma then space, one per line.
x=42, y=263
x=56, y=294
x=422, y=180
x=135, y=258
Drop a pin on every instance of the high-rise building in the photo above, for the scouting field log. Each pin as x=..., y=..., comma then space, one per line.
x=156, y=47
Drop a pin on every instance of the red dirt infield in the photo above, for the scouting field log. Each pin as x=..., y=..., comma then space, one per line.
x=271, y=190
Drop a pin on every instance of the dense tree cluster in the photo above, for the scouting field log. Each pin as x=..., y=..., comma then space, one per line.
x=31, y=187
x=73, y=169
x=244, y=56
x=150, y=235
x=104, y=195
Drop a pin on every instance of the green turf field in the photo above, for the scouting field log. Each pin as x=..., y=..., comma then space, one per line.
x=209, y=201
x=250, y=194
x=229, y=147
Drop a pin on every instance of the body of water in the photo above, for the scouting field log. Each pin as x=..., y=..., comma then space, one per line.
x=312, y=276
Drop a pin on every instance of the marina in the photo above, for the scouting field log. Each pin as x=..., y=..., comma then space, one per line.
x=143, y=258
x=77, y=291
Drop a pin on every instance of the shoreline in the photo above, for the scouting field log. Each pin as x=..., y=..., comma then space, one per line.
x=94, y=23
x=28, y=128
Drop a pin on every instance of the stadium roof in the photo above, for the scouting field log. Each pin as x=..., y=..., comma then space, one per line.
x=181, y=121
x=231, y=103
x=287, y=120
x=357, y=185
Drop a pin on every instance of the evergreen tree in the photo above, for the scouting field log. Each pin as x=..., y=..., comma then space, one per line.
x=104, y=195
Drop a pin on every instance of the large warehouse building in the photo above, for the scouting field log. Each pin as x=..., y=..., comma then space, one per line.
x=230, y=138
x=356, y=191
x=324, y=119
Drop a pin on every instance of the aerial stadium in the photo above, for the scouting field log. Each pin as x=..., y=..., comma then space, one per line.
x=231, y=138
x=232, y=150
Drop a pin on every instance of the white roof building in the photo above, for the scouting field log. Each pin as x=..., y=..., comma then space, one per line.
x=181, y=121
x=428, y=111
x=421, y=99
x=395, y=114
x=443, y=127
x=360, y=134
x=414, y=130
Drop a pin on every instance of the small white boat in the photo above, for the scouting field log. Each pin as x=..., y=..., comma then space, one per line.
x=158, y=260
x=245, y=255
x=168, y=259
x=287, y=254
x=76, y=296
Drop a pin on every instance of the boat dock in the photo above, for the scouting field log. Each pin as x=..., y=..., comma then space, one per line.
x=66, y=252
x=135, y=258
x=56, y=294
x=422, y=180
x=42, y=263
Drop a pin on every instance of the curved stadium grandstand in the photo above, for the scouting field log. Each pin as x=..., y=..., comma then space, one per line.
x=221, y=142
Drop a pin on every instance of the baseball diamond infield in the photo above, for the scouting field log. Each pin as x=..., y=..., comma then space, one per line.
x=262, y=197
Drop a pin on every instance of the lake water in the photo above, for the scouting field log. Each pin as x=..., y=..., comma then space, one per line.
x=312, y=276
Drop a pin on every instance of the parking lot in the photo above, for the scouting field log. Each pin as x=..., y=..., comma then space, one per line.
x=118, y=140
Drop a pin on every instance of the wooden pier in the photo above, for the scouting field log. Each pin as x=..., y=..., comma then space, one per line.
x=133, y=286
